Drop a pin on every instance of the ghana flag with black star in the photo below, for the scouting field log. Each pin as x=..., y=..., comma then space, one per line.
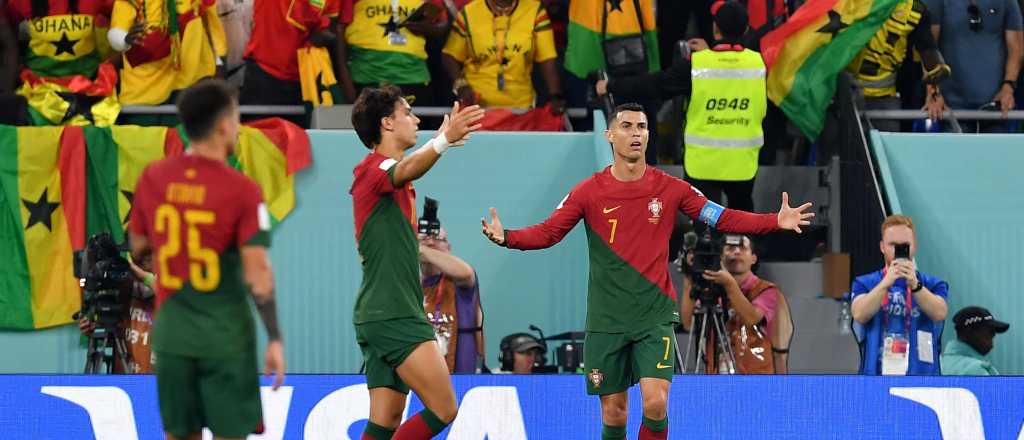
x=806, y=54
x=42, y=218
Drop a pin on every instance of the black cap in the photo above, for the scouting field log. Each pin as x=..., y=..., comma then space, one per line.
x=524, y=343
x=974, y=317
x=731, y=18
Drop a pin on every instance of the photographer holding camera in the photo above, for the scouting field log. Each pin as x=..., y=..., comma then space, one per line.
x=451, y=296
x=750, y=304
x=905, y=338
x=135, y=323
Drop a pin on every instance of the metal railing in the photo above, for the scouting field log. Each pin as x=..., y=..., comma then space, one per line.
x=300, y=110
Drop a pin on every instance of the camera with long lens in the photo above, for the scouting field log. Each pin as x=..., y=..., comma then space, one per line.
x=429, y=225
x=707, y=256
x=106, y=282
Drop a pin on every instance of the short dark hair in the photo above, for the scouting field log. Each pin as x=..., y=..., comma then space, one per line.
x=627, y=107
x=203, y=104
x=731, y=18
x=373, y=104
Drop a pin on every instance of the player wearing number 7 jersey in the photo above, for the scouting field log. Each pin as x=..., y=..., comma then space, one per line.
x=629, y=210
x=209, y=229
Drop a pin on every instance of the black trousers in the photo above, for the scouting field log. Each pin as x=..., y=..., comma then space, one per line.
x=262, y=88
x=739, y=194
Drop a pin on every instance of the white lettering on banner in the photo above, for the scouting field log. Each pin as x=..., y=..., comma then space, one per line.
x=336, y=412
x=275, y=413
x=956, y=408
x=489, y=413
x=109, y=408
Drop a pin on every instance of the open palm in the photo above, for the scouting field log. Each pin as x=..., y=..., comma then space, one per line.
x=793, y=218
x=494, y=231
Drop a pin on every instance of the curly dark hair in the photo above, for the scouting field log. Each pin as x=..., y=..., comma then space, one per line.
x=372, y=105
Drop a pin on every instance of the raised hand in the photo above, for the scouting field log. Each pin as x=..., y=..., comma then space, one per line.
x=462, y=122
x=793, y=218
x=494, y=231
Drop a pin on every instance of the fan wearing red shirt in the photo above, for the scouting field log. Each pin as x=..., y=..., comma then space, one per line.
x=629, y=210
x=279, y=29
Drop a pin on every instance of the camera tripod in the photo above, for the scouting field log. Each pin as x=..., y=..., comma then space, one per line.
x=107, y=346
x=702, y=314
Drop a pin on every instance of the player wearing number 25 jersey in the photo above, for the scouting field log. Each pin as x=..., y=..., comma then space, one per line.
x=208, y=230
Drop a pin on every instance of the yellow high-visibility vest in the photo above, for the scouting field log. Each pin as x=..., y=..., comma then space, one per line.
x=723, y=123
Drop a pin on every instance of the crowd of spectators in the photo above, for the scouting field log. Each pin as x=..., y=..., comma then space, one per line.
x=522, y=54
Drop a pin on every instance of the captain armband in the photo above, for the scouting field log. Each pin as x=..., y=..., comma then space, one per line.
x=711, y=212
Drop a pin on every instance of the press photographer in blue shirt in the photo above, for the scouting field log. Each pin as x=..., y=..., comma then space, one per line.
x=900, y=308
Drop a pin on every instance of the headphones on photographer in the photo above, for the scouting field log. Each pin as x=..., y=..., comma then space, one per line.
x=507, y=348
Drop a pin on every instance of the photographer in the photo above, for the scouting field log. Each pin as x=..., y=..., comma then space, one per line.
x=751, y=308
x=905, y=337
x=136, y=323
x=451, y=297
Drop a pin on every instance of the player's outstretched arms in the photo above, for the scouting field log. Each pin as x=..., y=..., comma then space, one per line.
x=793, y=218
x=260, y=278
x=454, y=131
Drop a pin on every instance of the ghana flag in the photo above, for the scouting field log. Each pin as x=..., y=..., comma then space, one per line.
x=42, y=207
x=60, y=185
x=584, y=51
x=806, y=54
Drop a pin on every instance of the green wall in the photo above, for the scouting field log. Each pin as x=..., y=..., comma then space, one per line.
x=965, y=195
x=523, y=175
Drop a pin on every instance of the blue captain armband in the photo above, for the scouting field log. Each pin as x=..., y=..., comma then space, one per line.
x=710, y=213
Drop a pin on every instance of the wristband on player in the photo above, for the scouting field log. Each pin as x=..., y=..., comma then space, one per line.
x=439, y=143
x=149, y=280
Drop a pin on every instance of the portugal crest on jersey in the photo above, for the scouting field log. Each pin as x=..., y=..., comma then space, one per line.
x=655, y=207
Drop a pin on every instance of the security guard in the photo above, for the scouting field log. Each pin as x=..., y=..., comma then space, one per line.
x=728, y=102
x=875, y=68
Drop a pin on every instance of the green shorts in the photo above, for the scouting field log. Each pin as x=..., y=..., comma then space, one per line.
x=221, y=394
x=613, y=362
x=385, y=346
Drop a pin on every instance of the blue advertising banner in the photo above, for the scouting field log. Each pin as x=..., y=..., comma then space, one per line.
x=507, y=407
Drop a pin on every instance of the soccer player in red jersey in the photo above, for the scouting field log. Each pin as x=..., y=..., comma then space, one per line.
x=397, y=342
x=209, y=230
x=629, y=210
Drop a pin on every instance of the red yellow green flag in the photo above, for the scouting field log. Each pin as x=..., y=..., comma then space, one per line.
x=806, y=54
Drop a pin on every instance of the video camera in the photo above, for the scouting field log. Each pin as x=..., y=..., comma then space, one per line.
x=106, y=280
x=707, y=256
x=429, y=224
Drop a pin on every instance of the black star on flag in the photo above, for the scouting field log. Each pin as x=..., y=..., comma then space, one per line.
x=321, y=88
x=79, y=104
x=64, y=45
x=390, y=27
x=835, y=24
x=131, y=205
x=40, y=211
x=616, y=5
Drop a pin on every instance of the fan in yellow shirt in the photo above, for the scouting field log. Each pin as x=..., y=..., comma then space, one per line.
x=492, y=49
x=164, y=50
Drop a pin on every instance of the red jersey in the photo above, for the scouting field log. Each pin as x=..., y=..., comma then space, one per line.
x=628, y=228
x=281, y=27
x=197, y=213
